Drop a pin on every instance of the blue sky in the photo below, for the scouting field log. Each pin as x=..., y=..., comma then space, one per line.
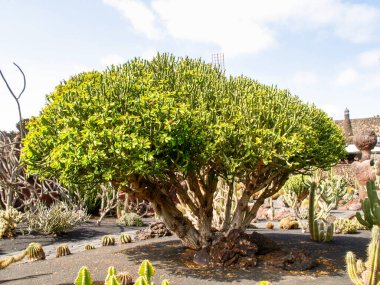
x=324, y=51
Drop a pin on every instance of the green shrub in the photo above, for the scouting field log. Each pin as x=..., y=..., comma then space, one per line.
x=130, y=219
x=57, y=219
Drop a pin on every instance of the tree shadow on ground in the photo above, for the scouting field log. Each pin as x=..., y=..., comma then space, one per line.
x=172, y=257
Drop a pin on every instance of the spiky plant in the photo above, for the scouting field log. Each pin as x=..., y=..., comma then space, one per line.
x=62, y=250
x=35, y=251
x=110, y=272
x=112, y=281
x=125, y=238
x=124, y=278
x=366, y=273
x=89, y=246
x=83, y=277
x=108, y=240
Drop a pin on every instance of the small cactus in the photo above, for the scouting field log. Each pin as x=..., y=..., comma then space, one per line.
x=269, y=225
x=125, y=238
x=124, y=278
x=89, y=247
x=83, y=277
x=366, y=273
x=35, y=252
x=62, y=250
x=108, y=240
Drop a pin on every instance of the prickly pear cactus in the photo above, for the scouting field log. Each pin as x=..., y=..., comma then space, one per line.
x=89, y=247
x=366, y=273
x=83, y=277
x=62, y=250
x=124, y=278
x=108, y=240
x=35, y=252
x=125, y=238
x=370, y=207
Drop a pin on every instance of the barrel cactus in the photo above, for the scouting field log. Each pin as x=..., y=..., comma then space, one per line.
x=125, y=238
x=124, y=278
x=62, y=250
x=108, y=240
x=89, y=246
x=35, y=252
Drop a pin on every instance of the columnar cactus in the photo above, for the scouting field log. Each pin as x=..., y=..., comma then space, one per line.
x=112, y=281
x=370, y=207
x=111, y=272
x=366, y=273
x=125, y=238
x=35, y=251
x=317, y=228
x=83, y=277
x=89, y=247
x=108, y=240
x=124, y=278
x=62, y=250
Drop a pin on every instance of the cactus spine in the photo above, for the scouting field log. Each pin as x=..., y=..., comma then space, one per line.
x=62, y=250
x=316, y=227
x=124, y=278
x=366, y=273
x=108, y=240
x=125, y=238
x=35, y=251
x=83, y=277
x=370, y=207
x=89, y=247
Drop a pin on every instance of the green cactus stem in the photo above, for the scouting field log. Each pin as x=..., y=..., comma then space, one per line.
x=146, y=270
x=316, y=227
x=83, y=277
x=110, y=272
x=366, y=273
x=35, y=252
x=112, y=281
x=124, y=278
x=165, y=282
x=5, y=262
x=89, y=247
x=142, y=281
x=370, y=207
x=62, y=250
x=108, y=240
x=125, y=238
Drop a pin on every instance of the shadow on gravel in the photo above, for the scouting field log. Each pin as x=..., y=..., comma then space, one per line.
x=23, y=278
x=177, y=261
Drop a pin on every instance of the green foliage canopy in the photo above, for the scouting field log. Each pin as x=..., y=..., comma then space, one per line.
x=181, y=114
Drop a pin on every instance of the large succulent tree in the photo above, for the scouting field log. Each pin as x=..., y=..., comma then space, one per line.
x=167, y=129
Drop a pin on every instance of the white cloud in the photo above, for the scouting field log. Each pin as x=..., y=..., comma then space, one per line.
x=370, y=58
x=347, y=77
x=141, y=16
x=245, y=26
